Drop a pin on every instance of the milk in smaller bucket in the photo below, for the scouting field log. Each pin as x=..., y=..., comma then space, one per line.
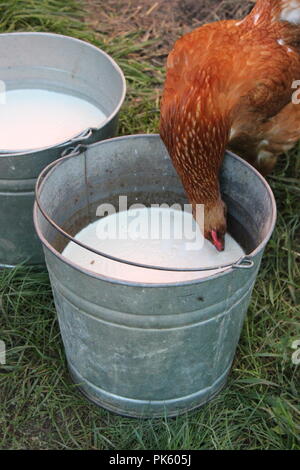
x=35, y=118
x=153, y=236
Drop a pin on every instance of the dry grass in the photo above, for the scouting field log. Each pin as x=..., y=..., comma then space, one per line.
x=161, y=21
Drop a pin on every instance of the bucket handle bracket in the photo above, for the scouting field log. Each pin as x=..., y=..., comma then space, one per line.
x=244, y=263
x=83, y=136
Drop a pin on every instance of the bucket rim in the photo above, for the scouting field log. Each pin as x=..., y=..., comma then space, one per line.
x=223, y=272
x=85, y=133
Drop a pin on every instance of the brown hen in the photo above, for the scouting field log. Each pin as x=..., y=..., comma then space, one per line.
x=230, y=84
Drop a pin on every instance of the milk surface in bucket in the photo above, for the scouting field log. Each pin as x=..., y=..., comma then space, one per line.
x=153, y=236
x=37, y=118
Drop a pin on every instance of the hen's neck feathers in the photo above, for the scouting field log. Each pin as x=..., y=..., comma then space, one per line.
x=198, y=142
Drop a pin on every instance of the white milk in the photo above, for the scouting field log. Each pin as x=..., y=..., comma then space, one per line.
x=134, y=242
x=33, y=118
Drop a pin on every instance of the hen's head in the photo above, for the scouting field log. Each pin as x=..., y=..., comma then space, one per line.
x=215, y=223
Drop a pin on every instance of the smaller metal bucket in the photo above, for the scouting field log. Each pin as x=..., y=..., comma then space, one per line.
x=55, y=63
x=147, y=350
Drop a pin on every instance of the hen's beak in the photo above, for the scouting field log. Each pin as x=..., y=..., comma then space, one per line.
x=218, y=240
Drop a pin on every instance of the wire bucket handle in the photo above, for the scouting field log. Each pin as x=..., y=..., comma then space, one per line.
x=245, y=262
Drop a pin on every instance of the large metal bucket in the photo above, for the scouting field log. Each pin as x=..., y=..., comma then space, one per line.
x=57, y=63
x=141, y=349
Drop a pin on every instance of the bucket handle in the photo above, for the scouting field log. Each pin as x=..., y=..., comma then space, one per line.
x=245, y=262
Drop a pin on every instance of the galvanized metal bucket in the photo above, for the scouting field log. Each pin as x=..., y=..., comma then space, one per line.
x=56, y=63
x=147, y=350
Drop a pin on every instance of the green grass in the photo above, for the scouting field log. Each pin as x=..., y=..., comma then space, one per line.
x=40, y=408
